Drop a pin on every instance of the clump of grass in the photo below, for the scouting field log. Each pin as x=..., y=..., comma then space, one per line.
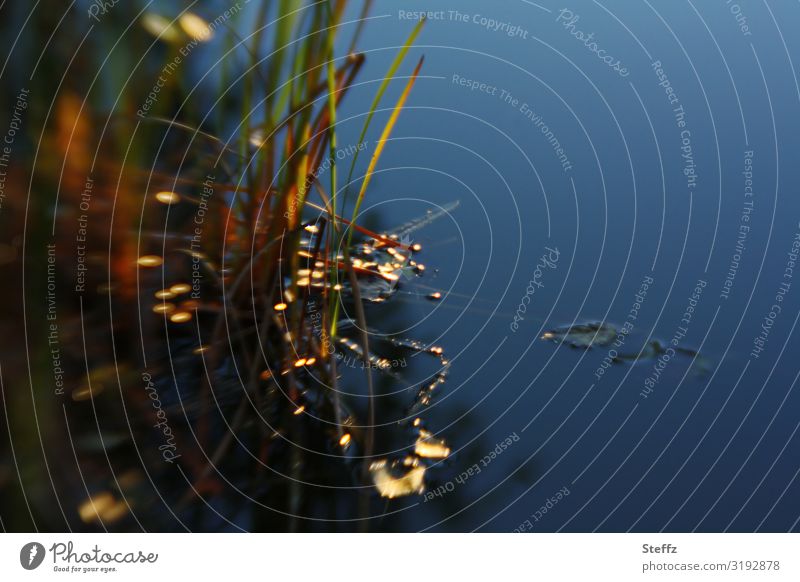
x=278, y=260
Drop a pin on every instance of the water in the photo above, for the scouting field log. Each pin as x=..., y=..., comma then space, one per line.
x=636, y=189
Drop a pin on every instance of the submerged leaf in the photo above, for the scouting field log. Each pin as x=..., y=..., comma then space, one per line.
x=582, y=335
x=597, y=334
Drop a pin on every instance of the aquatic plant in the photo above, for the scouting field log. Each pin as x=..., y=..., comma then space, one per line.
x=266, y=302
x=235, y=280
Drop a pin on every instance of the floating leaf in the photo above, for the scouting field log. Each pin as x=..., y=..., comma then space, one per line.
x=582, y=335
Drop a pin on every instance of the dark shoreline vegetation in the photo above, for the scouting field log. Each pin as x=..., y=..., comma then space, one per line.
x=208, y=281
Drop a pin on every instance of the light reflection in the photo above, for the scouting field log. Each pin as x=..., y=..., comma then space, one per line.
x=161, y=27
x=429, y=447
x=180, y=317
x=394, y=481
x=86, y=392
x=102, y=507
x=164, y=294
x=195, y=27
x=150, y=261
x=168, y=197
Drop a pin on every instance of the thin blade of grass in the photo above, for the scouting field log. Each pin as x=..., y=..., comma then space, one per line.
x=387, y=131
x=332, y=130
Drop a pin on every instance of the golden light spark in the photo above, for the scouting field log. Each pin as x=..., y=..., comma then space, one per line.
x=390, y=486
x=101, y=507
x=161, y=28
x=429, y=447
x=195, y=27
x=180, y=288
x=86, y=392
x=167, y=197
x=150, y=261
x=164, y=294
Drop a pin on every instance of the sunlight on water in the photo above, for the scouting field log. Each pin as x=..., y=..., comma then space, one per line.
x=195, y=27
x=168, y=197
x=161, y=27
x=430, y=447
x=180, y=317
x=102, y=507
x=396, y=479
x=150, y=261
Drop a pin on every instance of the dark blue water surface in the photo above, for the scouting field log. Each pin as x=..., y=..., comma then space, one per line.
x=676, y=163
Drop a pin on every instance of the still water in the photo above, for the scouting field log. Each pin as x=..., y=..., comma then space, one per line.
x=618, y=163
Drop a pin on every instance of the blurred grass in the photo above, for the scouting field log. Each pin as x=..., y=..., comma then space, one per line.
x=281, y=87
